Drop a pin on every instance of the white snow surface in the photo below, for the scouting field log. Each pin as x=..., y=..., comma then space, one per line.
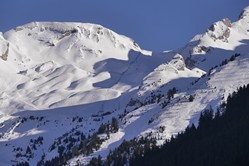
x=54, y=73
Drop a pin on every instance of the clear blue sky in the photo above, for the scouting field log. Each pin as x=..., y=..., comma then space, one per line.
x=154, y=24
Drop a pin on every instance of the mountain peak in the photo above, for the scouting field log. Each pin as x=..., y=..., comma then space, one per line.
x=52, y=33
x=220, y=30
x=244, y=14
x=178, y=62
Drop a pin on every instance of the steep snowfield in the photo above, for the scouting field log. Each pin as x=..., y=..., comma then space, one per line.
x=60, y=78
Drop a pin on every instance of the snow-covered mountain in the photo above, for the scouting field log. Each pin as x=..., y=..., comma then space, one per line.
x=61, y=81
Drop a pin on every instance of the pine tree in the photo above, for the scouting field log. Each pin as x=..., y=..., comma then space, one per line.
x=102, y=129
x=28, y=150
x=191, y=98
x=99, y=160
x=114, y=125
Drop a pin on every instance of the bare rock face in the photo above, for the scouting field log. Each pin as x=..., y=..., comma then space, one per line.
x=227, y=22
x=178, y=62
x=6, y=53
x=4, y=48
x=220, y=30
x=200, y=50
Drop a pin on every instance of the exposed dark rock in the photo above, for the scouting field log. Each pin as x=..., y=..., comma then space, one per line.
x=220, y=30
x=227, y=22
x=178, y=62
x=6, y=53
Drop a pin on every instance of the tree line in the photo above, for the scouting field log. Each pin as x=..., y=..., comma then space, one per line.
x=221, y=138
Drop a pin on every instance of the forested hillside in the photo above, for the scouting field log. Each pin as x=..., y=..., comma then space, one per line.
x=220, y=139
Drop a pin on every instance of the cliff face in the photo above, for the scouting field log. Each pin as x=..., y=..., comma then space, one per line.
x=4, y=48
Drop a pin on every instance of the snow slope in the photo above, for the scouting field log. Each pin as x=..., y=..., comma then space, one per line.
x=60, y=78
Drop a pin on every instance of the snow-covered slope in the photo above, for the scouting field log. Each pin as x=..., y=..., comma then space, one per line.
x=62, y=64
x=67, y=69
x=60, y=81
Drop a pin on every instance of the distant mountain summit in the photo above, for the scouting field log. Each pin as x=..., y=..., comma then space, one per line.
x=54, y=62
x=245, y=14
x=222, y=35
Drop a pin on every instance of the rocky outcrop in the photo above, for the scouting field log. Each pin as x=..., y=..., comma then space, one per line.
x=6, y=53
x=200, y=50
x=178, y=62
x=4, y=48
x=220, y=30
